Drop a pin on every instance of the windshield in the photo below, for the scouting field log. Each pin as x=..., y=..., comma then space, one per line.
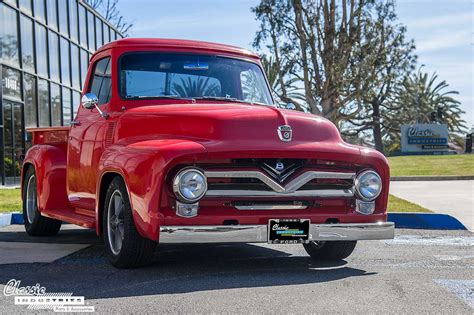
x=157, y=75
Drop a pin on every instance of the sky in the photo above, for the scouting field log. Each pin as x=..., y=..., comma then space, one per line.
x=443, y=31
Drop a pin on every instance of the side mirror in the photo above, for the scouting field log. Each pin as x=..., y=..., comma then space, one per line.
x=90, y=101
x=291, y=106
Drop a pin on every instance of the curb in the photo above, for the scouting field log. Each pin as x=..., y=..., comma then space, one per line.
x=425, y=221
x=431, y=178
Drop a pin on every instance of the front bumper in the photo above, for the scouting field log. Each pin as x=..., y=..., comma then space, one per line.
x=258, y=233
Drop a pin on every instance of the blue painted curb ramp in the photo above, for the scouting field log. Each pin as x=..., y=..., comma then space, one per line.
x=17, y=218
x=428, y=221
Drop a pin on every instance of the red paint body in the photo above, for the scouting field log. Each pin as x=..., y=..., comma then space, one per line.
x=146, y=142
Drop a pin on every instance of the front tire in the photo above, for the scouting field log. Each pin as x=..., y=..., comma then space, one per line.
x=330, y=251
x=125, y=247
x=35, y=223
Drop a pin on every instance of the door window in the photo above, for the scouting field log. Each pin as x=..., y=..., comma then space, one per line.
x=102, y=80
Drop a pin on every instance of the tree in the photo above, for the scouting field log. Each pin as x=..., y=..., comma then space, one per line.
x=383, y=57
x=109, y=10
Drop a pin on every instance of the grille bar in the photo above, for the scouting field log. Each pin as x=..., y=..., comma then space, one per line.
x=279, y=190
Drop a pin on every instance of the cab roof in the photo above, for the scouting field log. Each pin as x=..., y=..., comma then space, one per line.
x=179, y=43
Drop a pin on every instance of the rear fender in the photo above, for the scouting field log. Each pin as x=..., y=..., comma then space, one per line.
x=49, y=162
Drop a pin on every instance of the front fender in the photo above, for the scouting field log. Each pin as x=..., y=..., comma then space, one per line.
x=49, y=162
x=141, y=164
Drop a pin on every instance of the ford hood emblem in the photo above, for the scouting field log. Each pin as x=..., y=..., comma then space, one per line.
x=285, y=133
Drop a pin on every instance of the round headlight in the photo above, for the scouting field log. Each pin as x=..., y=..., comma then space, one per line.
x=368, y=185
x=190, y=185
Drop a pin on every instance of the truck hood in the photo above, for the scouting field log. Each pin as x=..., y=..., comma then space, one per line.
x=224, y=122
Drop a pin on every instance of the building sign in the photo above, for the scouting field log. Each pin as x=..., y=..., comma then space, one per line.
x=424, y=137
x=11, y=83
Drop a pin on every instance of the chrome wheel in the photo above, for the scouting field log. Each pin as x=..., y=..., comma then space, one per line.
x=115, y=222
x=31, y=200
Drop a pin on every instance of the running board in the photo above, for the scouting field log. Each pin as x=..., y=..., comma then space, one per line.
x=70, y=216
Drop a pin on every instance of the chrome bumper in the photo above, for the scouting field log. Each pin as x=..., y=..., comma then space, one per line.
x=258, y=233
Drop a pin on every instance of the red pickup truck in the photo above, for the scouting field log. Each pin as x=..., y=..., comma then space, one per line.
x=180, y=141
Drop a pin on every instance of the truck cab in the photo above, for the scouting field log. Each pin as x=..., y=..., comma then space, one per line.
x=180, y=141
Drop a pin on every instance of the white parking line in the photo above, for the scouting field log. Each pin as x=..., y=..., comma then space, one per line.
x=464, y=289
x=438, y=241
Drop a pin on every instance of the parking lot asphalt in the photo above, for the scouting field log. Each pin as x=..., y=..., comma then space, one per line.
x=418, y=272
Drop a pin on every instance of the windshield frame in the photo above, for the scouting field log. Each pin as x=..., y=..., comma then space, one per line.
x=184, y=53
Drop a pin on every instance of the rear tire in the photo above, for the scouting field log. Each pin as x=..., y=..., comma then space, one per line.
x=35, y=223
x=330, y=251
x=125, y=247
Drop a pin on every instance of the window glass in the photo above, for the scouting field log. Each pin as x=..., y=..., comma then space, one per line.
x=8, y=35
x=65, y=73
x=52, y=14
x=84, y=66
x=98, y=31
x=106, y=33
x=40, y=10
x=82, y=26
x=55, y=105
x=191, y=76
x=76, y=80
x=29, y=85
x=43, y=103
x=63, y=27
x=91, y=30
x=73, y=20
x=66, y=100
x=101, y=81
x=41, y=55
x=25, y=5
x=253, y=87
x=76, y=101
x=53, y=40
x=27, y=57
x=11, y=83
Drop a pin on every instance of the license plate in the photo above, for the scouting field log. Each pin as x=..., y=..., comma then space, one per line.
x=288, y=231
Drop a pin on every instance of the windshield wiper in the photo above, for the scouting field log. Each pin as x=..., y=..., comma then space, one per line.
x=228, y=99
x=141, y=97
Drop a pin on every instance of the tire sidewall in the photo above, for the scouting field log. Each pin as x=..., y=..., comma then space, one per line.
x=28, y=226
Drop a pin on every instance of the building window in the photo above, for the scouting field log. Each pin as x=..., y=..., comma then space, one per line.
x=76, y=80
x=8, y=36
x=25, y=6
x=84, y=66
x=43, y=103
x=66, y=100
x=91, y=30
x=11, y=83
x=106, y=33
x=98, y=31
x=27, y=57
x=76, y=102
x=63, y=15
x=51, y=10
x=53, y=40
x=41, y=55
x=40, y=10
x=73, y=20
x=29, y=84
x=101, y=81
x=55, y=105
x=65, y=73
x=82, y=26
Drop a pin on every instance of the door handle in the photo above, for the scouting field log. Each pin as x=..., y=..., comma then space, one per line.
x=75, y=123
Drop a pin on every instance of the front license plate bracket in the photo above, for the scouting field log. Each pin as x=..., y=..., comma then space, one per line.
x=288, y=231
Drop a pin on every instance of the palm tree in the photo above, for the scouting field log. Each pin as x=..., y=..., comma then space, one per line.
x=195, y=87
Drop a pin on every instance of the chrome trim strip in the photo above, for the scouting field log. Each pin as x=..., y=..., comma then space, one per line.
x=324, y=193
x=290, y=189
x=271, y=207
x=258, y=233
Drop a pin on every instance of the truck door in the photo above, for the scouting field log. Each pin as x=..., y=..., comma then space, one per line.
x=86, y=141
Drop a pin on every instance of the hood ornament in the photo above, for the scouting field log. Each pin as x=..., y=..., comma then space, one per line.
x=284, y=133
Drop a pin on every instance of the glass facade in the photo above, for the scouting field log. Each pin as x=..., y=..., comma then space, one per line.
x=45, y=46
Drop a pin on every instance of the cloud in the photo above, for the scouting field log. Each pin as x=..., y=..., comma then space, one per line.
x=462, y=19
x=446, y=40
